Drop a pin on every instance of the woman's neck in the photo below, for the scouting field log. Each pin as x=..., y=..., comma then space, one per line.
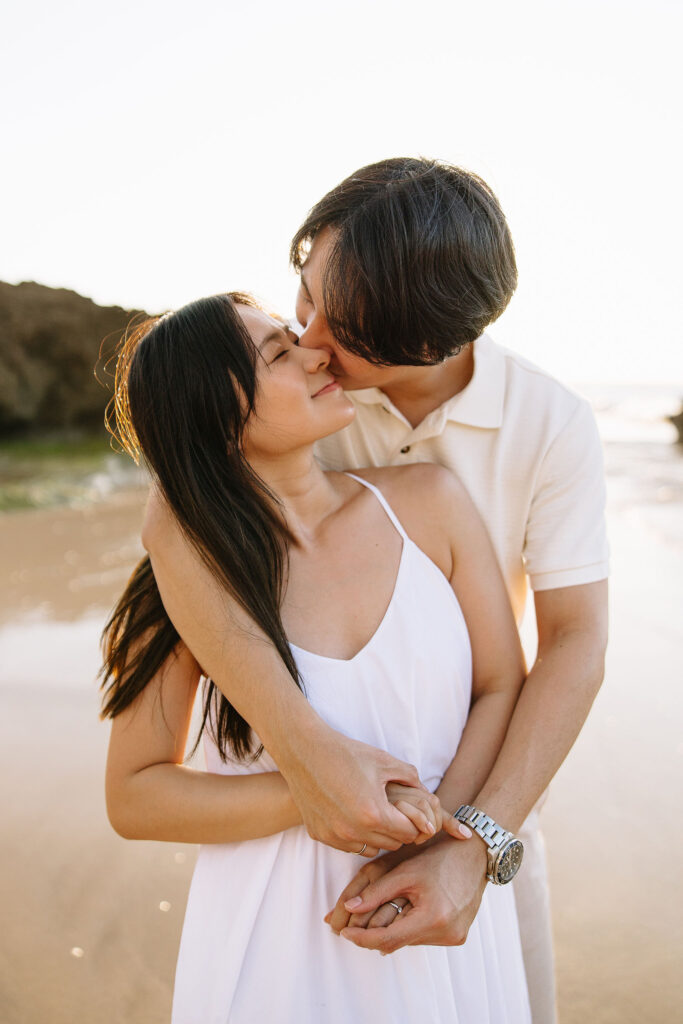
x=307, y=495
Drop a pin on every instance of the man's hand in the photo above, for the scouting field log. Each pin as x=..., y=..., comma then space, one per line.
x=443, y=885
x=339, y=786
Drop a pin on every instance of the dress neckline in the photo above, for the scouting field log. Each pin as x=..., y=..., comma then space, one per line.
x=405, y=542
x=380, y=628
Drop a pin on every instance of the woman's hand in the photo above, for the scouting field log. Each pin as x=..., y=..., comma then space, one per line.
x=419, y=806
x=425, y=811
x=422, y=809
x=339, y=917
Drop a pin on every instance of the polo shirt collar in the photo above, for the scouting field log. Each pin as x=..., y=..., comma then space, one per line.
x=480, y=404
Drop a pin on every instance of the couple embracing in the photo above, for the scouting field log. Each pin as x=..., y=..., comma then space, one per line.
x=342, y=524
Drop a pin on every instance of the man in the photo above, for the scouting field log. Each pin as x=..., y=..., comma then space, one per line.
x=403, y=266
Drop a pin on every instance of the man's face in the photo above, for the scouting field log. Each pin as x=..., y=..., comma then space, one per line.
x=351, y=371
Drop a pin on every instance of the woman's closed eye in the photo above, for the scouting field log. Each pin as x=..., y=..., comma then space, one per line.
x=293, y=340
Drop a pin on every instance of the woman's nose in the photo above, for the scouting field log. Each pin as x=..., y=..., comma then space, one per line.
x=315, y=358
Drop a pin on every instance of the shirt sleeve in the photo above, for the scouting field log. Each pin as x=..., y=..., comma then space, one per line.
x=566, y=536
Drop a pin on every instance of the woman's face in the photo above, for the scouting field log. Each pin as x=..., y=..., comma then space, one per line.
x=297, y=400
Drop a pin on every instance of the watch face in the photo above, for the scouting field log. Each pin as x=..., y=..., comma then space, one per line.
x=509, y=862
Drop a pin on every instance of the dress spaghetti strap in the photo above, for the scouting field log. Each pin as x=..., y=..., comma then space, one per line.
x=383, y=502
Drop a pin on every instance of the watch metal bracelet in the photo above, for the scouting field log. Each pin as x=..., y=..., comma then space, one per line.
x=493, y=834
x=504, y=851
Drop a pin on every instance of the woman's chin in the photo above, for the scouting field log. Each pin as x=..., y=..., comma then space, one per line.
x=344, y=414
x=348, y=408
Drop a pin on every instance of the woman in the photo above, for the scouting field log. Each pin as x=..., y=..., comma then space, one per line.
x=390, y=616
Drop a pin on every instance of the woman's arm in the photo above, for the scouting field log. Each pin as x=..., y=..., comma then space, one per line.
x=498, y=671
x=441, y=518
x=151, y=794
x=498, y=667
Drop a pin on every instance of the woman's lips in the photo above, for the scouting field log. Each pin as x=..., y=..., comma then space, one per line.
x=332, y=386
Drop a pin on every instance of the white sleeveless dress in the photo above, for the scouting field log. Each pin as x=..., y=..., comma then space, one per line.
x=255, y=947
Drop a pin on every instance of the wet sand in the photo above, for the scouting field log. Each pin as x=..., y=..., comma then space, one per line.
x=91, y=922
x=84, y=938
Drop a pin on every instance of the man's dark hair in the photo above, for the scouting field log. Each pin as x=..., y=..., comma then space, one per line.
x=422, y=260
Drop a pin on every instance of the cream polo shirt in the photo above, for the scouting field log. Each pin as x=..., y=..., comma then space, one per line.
x=526, y=448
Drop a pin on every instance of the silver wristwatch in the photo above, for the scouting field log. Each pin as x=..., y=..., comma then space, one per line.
x=504, y=852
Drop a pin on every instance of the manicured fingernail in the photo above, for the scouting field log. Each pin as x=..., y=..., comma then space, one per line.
x=465, y=831
x=352, y=904
x=430, y=827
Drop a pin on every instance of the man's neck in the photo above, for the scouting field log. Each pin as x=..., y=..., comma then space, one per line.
x=421, y=389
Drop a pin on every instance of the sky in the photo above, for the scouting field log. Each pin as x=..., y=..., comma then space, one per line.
x=153, y=152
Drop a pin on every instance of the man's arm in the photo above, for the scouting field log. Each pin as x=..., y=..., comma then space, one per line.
x=555, y=699
x=554, y=703
x=338, y=784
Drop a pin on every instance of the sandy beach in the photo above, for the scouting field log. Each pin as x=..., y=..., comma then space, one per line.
x=91, y=922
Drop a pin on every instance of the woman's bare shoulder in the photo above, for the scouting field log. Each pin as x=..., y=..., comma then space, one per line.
x=430, y=502
x=412, y=484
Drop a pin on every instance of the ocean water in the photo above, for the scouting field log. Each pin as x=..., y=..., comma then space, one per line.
x=643, y=458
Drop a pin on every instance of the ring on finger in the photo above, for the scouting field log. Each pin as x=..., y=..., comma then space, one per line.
x=362, y=850
x=397, y=908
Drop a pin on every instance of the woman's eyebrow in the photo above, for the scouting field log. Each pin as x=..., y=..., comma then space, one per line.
x=273, y=336
x=279, y=334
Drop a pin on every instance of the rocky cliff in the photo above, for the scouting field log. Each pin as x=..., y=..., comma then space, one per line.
x=50, y=342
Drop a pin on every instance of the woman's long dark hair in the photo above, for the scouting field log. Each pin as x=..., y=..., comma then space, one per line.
x=185, y=387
